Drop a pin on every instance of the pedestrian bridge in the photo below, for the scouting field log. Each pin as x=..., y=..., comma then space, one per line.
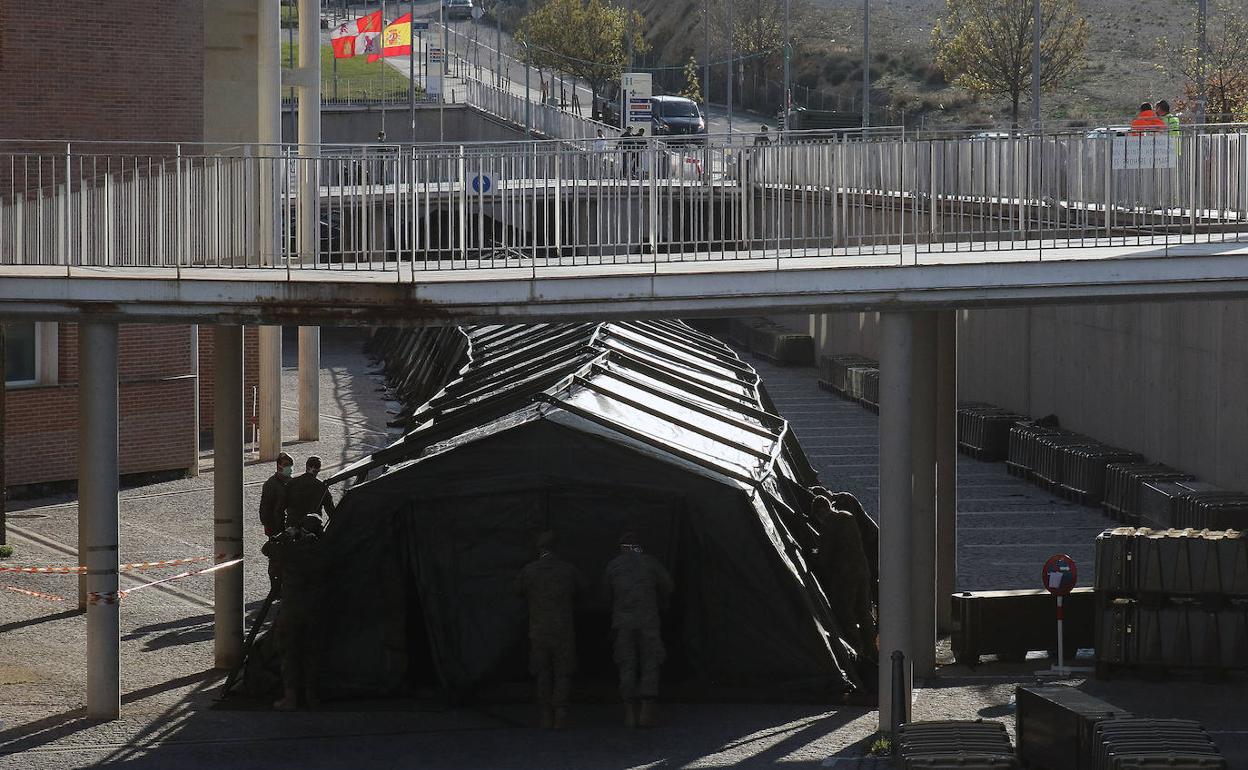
x=606, y=228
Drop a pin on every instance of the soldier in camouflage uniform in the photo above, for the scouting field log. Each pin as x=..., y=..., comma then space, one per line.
x=637, y=584
x=840, y=566
x=273, y=506
x=297, y=627
x=551, y=586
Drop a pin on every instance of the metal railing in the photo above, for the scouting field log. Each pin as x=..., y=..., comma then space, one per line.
x=602, y=201
x=547, y=120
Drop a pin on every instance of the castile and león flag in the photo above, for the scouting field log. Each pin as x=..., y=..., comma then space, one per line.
x=370, y=36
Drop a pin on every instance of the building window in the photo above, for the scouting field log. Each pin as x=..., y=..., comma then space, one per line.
x=21, y=354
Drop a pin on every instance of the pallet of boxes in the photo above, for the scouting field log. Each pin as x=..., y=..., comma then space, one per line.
x=1172, y=601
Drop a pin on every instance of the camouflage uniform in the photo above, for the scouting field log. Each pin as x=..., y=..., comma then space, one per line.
x=273, y=515
x=273, y=503
x=306, y=494
x=842, y=570
x=551, y=586
x=297, y=628
x=637, y=584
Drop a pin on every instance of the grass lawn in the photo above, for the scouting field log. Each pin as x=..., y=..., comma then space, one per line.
x=356, y=76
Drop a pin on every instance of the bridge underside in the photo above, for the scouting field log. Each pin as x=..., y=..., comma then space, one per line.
x=577, y=288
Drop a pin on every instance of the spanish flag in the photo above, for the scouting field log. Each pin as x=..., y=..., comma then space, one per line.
x=396, y=40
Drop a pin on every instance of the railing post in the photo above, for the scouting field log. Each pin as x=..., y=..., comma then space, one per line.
x=180, y=214
x=654, y=198
x=558, y=213
x=463, y=207
x=62, y=211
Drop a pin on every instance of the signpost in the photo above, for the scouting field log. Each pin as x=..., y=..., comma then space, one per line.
x=1060, y=576
x=482, y=183
x=433, y=71
x=637, y=88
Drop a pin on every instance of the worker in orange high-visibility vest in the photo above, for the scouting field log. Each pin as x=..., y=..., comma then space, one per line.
x=1147, y=122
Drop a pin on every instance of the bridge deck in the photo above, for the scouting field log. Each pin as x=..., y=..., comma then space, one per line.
x=451, y=291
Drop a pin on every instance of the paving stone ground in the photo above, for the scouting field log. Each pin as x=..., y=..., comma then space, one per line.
x=170, y=717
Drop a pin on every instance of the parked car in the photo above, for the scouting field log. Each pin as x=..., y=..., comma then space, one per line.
x=675, y=116
x=669, y=115
x=457, y=9
x=1104, y=131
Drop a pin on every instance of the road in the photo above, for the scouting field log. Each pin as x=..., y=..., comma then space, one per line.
x=491, y=52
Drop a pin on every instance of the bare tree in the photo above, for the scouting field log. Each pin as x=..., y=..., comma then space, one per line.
x=1224, y=70
x=985, y=46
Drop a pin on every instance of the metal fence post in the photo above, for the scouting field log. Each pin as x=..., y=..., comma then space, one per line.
x=654, y=198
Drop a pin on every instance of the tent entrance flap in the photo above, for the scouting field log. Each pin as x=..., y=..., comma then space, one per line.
x=466, y=625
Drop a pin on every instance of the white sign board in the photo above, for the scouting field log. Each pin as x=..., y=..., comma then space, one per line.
x=636, y=90
x=1149, y=151
x=433, y=84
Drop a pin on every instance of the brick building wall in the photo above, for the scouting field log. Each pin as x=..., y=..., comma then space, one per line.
x=251, y=375
x=156, y=408
x=92, y=73
x=91, y=70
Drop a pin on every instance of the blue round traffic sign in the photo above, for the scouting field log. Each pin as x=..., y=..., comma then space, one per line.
x=1060, y=575
x=481, y=184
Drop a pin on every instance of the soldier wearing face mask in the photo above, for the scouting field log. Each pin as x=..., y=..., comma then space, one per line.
x=273, y=506
x=273, y=496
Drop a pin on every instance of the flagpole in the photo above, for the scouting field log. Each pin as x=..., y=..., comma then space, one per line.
x=381, y=90
x=411, y=73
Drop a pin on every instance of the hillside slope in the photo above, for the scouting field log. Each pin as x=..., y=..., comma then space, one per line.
x=1123, y=59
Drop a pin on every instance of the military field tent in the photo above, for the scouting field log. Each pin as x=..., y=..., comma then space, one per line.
x=590, y=430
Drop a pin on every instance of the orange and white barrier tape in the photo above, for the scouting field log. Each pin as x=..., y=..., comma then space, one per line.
x=35, y=594
x=134, y=567
x=139, y=566
x=114, y=597
x=46, y=570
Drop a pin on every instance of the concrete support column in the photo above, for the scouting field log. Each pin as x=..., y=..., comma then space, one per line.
x=227, y=485
x=309, y=207
x=270, y=377
x=97, y=513
x=271, y=173
x=309, y=383
x=923, y=491
x=896, y=545
x=946, y=466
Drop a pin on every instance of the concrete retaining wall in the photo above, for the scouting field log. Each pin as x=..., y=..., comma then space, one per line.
x=1169, y=380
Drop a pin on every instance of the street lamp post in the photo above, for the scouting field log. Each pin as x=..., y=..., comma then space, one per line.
x=528, y=94
x=1036, y=30
x=788, y=57
x=1202, y=57
x=866, y=63
x=706, y=47
x=732, y=70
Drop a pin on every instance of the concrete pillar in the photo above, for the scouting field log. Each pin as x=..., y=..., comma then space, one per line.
x=923, y=491
x=271, y=181
x=270, y=395
x=227, y=485
x=946, y=466
x=194, y=469
x=896, y=615
x=309, y=383
x=97, y=513
x=309, y=207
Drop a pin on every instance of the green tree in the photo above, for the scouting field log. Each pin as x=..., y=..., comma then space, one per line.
x=587, y=39
x=985, y=46
x=1224, y=71
x=693, y=84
